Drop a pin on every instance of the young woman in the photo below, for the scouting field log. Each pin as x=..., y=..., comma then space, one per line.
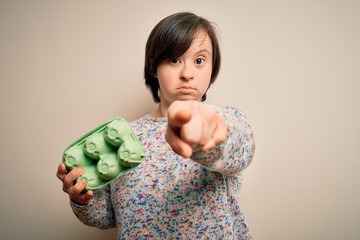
x=187, y=186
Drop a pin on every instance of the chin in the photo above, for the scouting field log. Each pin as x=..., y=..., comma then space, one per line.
x=188, y=97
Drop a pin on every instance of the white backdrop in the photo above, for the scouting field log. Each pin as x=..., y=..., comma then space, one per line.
x=291, y=66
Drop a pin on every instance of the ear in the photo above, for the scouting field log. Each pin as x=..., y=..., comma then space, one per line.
x=155, y=73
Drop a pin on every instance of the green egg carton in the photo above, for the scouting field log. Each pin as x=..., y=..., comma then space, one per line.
x=105, y=153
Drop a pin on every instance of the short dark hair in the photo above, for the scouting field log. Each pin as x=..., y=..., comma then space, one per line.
x=171, y=38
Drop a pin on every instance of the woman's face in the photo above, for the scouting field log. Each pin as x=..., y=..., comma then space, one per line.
x=187, y=77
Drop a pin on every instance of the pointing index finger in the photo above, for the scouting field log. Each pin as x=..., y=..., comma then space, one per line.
x=178, y=115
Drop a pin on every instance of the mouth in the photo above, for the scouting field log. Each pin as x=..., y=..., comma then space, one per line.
x=186, y=88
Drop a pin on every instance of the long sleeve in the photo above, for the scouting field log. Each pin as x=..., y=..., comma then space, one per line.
x=236, y=153
x=170, y=197
x=99, y=212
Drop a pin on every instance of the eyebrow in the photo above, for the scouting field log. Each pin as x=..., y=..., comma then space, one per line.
x=203, y=50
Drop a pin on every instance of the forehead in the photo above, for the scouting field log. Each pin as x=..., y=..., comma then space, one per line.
x=201, y=41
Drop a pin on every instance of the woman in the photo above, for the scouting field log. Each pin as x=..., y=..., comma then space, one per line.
x=188, y=183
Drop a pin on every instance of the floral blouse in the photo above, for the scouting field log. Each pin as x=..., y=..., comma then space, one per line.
x=170, y=197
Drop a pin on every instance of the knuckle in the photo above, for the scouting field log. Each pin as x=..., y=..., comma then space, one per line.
x=175, y=148
x=167, y=137
x=72, y=192
x=221, y=139
x=58, y=176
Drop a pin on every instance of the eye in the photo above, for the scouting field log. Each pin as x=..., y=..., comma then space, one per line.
x=174, y=60
x=199, y=61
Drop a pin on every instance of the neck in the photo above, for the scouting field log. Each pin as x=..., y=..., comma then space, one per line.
x=160, y=112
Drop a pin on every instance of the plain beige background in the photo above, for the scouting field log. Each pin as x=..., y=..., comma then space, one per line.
x=291, y=66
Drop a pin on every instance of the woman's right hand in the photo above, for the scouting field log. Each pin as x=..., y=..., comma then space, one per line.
x=74, y=190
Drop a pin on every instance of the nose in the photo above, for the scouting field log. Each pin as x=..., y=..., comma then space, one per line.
x=187, y=72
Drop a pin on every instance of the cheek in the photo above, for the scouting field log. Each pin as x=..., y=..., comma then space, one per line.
x=164, y=73
x=207, y=77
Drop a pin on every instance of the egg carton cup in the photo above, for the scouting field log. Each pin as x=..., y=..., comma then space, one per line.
x=105, y=153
